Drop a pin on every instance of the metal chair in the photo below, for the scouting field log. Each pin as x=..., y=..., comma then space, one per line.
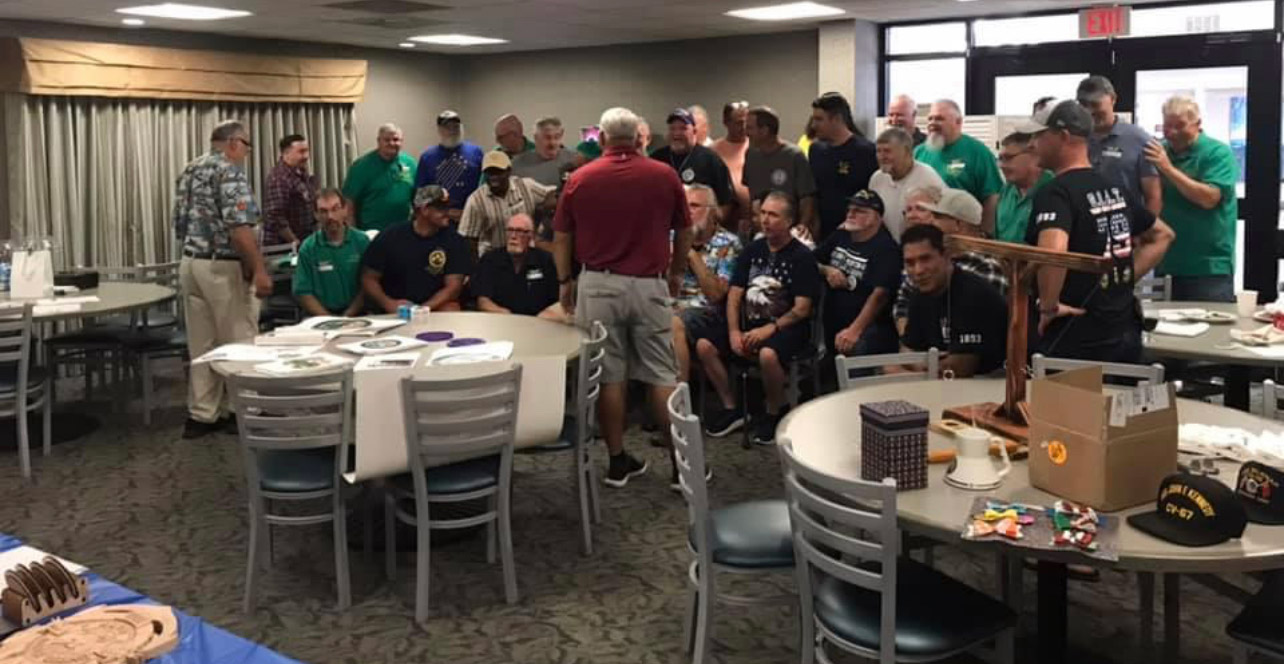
x=1271, y=393
x=449, y=419
x=578, y=429
x=1256, y=629
x=1152, y=374
x=854, y=590
x=23, y=388
x=746, y=538
x=845, y=367
x=279, y=308
x=295, y=434
x=149, y=343
x=1151, y=288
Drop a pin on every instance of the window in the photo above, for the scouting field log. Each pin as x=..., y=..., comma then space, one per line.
x=1192, y=19
x=929, y=38
x=928, y=80
x=1026, y=30
x=1015, y=95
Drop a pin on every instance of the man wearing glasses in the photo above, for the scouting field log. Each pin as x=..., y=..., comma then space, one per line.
x=1023, y=178
x=327, y=281
x=518, y=278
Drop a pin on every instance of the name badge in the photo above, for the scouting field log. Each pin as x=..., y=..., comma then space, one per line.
x=956, y=166
x=1113, y=153
x=534, y=275
x=325, y=266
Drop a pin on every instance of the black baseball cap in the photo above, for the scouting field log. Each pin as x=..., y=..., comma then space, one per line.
x=681, y=114
x=447, y=116
x=866, y=198
x=1193, y=510
x=1260, y=489
x=1066, y=116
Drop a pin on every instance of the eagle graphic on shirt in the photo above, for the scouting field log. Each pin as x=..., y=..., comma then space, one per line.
x=767, y=298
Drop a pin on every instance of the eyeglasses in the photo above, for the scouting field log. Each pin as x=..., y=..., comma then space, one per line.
x=244, y=140
x=520, y=231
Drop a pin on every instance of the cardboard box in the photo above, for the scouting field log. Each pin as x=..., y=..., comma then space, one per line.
x=1108, y=450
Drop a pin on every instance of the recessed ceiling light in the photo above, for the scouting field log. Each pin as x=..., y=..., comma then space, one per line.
x=133, y=22
x=184, y=12
x=457, y=40
x=787, y=12
x=406, y=44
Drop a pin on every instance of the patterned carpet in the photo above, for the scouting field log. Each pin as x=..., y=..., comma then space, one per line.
x=167, y=518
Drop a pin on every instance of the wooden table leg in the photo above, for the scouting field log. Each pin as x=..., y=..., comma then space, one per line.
x=1053, y=598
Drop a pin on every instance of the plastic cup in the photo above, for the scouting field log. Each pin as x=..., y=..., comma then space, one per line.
x=1246, y=303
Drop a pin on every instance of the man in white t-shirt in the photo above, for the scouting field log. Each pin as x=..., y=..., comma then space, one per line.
x=897, y=174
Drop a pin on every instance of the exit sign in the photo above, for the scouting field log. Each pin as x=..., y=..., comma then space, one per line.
x=1102, y=22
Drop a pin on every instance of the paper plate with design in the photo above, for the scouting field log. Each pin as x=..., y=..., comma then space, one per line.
x=381, y=345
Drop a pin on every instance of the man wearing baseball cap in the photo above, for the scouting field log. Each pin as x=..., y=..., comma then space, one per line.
x=503, y=196
x=861, y=264
x=423, y=262
x=1117, y=149
x=695, y=163
x=1081, y=315
x=454, y=164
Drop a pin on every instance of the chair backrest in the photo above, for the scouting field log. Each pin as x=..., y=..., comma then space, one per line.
x=1152, y=374
x=846, y=366
x=845, y=529
x=1151, y=288
x=688, y=455
x=449, y=419
x=1271, y=394
x=15, y=344
x=588, y=383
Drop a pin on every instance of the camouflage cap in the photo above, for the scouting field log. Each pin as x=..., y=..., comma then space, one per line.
x=432, y=195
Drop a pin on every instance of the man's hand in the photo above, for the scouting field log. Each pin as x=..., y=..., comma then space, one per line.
x=262, y=284
x=835, y=277
x=738, y=344
x=675, y=285
x=803, y=234
x=1046, y=317
x=753, y=338
x=1157, y=155
x=393, y=305
x=846, y=339
x=566, y=295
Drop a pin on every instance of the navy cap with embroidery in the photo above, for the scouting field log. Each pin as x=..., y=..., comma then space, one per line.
x=1193, y=510
x=681, y=114
x=866, y=198
x=1260, y=492
x=448, y=116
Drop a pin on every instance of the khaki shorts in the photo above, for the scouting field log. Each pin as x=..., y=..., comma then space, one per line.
x=638, y=315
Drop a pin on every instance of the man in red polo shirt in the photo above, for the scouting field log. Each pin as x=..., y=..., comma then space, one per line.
x=616, y=217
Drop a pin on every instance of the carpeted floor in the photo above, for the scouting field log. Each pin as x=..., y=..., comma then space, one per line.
x=167, y=517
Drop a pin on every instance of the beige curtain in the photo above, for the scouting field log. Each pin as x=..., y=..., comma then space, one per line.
x=97, y=175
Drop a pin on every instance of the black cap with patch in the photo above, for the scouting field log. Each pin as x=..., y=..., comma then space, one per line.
x=866, y=198
x=1261, y=491
x=1193, y=510
x=446, y=117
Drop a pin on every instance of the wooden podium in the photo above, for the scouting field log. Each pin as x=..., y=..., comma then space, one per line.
x=1010, y=418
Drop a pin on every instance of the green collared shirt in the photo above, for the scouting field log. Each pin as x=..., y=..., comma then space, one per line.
x=1013, y=214
x=330, y=273
x=1205, y=242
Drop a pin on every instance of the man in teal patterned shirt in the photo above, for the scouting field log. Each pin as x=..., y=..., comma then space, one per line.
x=701, y=301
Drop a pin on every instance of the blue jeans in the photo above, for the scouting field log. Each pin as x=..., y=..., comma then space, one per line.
x=1212, y=288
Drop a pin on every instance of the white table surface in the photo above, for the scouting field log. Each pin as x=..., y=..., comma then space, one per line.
x=114, y=297
x=1211, y=346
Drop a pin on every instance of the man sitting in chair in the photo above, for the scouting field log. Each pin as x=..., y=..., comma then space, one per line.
x=424, y=262
x=952, y=310
x=518, y=278
x=773, y=287
x=327, y=280
x=861, y=264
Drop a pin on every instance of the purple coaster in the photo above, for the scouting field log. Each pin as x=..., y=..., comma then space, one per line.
x=465, y=342
x=434, y=337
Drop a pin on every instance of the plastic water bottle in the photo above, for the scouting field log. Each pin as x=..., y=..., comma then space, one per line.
x=6, y=270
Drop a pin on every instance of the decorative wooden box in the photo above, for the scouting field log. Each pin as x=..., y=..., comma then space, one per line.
x=893, y=443
x=43, y=589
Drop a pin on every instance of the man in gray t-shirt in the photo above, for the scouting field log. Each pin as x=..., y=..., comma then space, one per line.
x=1117, y=149
x=774, y=165
x=546, y=163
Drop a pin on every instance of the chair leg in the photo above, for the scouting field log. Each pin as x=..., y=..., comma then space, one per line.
x=389, y=536
x=594, y=490
x=341, y=573
x=47, y=418
x=367, y=523
x=491, y=534
x=24, y=449
x=929, y=555
x=1005, y=647
x=146, y=380
x=704, y=605
x=253, y=558
x=582, y=493
x=688, y=627
x=506, y=547
x=421, y=561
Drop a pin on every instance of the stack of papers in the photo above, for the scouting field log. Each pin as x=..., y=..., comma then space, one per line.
x=301, y=366
x=1180, y=329
x=496, y=351
x=335, y=326
x=252, y=353
x=388, y=361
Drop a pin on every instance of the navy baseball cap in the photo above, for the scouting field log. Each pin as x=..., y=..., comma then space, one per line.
x=448, y=116
x=681, y=114
x=866, y=198
x=1193, y=510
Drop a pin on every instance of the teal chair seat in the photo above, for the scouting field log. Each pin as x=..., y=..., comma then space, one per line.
x=9, y=378
x=753, y=534
x=460, y=477
x=296, y=471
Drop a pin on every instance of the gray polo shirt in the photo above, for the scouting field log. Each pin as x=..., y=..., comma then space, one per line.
x=786, y=169
x=544, y=171
x=1120, y=158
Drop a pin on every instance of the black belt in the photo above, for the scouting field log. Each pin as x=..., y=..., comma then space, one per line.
x=208, y=255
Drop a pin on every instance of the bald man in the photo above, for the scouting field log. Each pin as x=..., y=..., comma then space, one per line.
x=510, y=136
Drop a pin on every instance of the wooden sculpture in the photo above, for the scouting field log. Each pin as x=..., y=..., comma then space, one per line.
x=126, y=634
x=33, y=593
x=1020, y=261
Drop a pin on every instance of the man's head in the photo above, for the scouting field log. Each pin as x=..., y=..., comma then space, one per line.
x=496, y=169
x=432, y=206
x=733, y=118
x=682, y=130
x=829, y=116
x=918, y=202
x=944, y=124
x=234, y=139
x=926, y=263
x=644, y=136
x=864, y=213
x=895, y=152
x=294, y=150
x=1017, y=160
x=619, y=128
x=331, y=212
x=450, y=129
x=777, y=216
x=902, y=113
x=389, y=141
x=1097, y=95
x=1182, y=122
x=957, y=213
x=762, y=127
x=1061, y=132
x=548, y=136
x=701, y=118
x=520, y=231
x=703, y=203
x=510, y=135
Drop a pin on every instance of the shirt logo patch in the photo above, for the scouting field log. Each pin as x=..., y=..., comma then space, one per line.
x=778, y=177
x=955, y=167
x=437, y=261
x=1045, y=218
x=844, y=168
x=1113, y=153
x=688, y=176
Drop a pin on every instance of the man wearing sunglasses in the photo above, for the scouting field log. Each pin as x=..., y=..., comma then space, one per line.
x=518, y=278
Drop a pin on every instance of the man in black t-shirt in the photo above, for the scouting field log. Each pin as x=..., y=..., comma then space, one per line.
x=518, y=278
x=951, y=310
x=842, y=161
x=861, y=265
x=423, y=262
x=695, y=163
x=772, y=289
x=1081, y=315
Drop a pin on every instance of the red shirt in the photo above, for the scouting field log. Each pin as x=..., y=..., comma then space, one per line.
x=621, y=208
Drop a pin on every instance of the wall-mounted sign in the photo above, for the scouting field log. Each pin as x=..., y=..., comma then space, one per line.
x=1102, y=22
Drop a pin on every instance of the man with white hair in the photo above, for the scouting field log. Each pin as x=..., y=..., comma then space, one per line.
x=1199, y=175
x=902, y=113
x=898, y=173
x=380, y=184
x=962, y=161
x=518, y=278
x=545, y=163
x=624, y=217
x=454, y=164
x=701, y=125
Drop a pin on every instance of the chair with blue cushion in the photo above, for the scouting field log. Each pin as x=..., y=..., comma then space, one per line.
x=295, y=434
x=855, y=592
x=1256, y=630
x=578, y=430
x=459, y=442
x=746, y=538
x=23, y=388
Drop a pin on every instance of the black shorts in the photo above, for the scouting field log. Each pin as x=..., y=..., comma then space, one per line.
x=705, y=323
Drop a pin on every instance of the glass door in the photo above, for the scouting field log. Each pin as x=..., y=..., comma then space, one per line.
x=1007, y=80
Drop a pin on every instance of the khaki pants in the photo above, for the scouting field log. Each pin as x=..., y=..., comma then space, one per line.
x=638, y=315
x=220, y=308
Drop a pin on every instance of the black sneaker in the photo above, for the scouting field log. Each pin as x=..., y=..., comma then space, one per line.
x=193, y=429
x=724, y=422
x=676, y=484
x=622, y=468
x=764, y=430
x=228, y=425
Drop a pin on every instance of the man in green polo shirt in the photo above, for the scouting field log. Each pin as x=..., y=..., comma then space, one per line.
x=1020, y=166
x=326, y=281
x=962, y=161
x=1199, y=174
x=380, y=184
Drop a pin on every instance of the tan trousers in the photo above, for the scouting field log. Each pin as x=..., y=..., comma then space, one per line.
x=220, y=308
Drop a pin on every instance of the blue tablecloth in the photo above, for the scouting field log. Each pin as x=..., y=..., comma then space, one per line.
x=199, y=642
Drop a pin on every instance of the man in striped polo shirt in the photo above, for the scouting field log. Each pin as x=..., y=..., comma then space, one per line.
x=504, y=195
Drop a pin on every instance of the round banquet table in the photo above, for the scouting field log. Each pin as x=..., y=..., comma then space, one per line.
x=1212, y=346
x=825, y=434
x=114, y=297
